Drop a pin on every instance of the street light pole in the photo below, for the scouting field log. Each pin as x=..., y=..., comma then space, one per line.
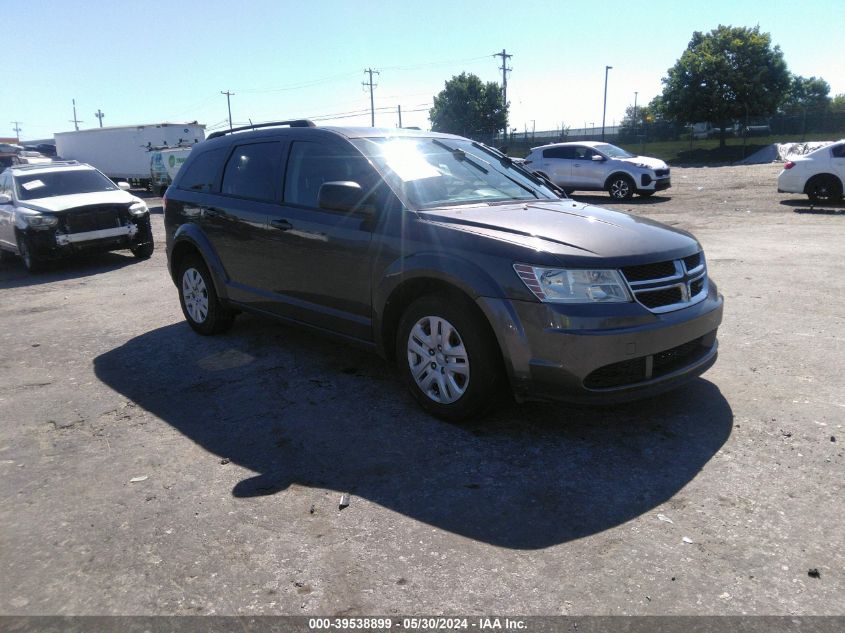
x=604, y=107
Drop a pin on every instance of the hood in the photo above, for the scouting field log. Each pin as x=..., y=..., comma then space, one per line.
x=653, y=163
x=571, y=230
x=57, y=204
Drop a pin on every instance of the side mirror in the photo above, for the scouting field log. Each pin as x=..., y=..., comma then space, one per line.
x=346, y=196
x=5, y=198
x=598, y=158
x=125, y=186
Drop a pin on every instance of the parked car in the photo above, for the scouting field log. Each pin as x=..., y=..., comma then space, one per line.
x=442, y=255
x=54, y=210
x=594, y=166
x=819, y=174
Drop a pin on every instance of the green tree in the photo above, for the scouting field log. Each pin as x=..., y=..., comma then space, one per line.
x=807, y=93
x=837, y=104
x=469, y=107
x=729, y=73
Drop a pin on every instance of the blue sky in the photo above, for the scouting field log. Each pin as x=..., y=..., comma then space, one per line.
x=150, y=61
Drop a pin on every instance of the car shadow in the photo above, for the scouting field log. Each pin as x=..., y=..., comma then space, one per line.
x=823, y=208
x=605, y=200
x=13, y=274
x=297, y=408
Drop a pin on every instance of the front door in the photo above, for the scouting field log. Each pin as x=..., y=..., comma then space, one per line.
x=321, y=260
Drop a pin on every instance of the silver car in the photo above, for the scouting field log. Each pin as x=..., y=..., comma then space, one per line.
x=592, y=166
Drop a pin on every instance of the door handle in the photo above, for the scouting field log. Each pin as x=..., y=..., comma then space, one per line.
x=282, y=225
x=209, y=212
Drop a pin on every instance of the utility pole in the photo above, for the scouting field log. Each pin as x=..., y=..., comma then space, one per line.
x=17, y=129
x=75, y=121
x=604, y=107
x=370, y=83
x=505, y=70
x=399, y=109
x=229, y=95
x=99, y=114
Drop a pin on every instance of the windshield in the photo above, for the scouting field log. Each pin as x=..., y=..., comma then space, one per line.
x=431, y=172
x=61, y=183
x=613, y=152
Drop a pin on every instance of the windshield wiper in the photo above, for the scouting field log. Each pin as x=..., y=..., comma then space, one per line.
x=460, y=155
x=508, y=162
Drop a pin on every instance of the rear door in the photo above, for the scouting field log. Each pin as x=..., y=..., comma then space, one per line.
x=320, y=260
x=557, y=164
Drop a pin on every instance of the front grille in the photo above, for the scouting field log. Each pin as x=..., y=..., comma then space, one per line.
x=668, y=285
x=630, y=372
x=94, y=218
x=658, y=298
x=649, y=271
x=693, y=261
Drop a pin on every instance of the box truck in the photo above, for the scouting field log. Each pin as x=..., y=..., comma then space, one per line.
x=164, y=163
x=123, y=152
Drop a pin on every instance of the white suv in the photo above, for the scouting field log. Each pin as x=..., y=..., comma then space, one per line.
x=819, y=174
x=592, y=166
x=62, y=208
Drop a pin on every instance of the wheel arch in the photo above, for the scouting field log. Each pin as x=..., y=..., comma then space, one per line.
x=819, y=176
x=616, y=174
x=189, y=239
x=454, y=278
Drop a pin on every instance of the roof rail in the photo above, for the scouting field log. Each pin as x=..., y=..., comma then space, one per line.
x=291, y=123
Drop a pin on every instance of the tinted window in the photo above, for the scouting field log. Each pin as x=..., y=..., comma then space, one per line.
x=560, y=152
x=312, y=164
x=202, y=172
x=839, y=151
x=253, y=171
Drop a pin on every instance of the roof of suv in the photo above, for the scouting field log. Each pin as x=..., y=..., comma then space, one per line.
x=347, y=132
x=587, y=143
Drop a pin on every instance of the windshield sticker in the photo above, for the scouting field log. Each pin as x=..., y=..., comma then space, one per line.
x=32, y=184
x=405, y=160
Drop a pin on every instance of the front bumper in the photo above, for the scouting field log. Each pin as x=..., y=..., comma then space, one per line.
x=603, y=354
x=52, y=244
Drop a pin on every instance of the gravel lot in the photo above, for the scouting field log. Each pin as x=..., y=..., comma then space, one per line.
x=246, y=441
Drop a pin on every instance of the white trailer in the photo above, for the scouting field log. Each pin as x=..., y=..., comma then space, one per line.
x=123, y=153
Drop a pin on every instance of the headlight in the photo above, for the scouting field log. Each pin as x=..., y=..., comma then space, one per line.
x=138, y=208
x=40, y=221
x=559, y=285
x=643, y=166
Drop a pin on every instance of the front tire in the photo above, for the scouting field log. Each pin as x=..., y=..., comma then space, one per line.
x=824, y=189
x=448, y=357
x=203, y=310
x=620, y=187
x=30, y=260
x=144, y=251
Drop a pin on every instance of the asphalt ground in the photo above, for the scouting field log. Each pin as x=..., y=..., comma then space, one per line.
x=148, y=470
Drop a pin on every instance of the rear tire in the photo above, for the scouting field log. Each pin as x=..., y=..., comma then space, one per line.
x=448, y=358
x=202, y=308
x=620, y=187
x=824, y=189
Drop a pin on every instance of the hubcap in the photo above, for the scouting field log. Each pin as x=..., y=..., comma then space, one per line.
x=195, y=295
x=619, y=189
x=438, y=359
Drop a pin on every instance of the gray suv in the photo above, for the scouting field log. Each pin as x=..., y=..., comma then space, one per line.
x=592, y=166
x=444, y=257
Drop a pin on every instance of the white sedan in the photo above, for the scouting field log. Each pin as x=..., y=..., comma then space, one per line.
x=819, y=174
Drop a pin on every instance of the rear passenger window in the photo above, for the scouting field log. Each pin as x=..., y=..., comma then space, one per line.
x=559, y=152
x=253, y=171
x=312, y=164
x=202, y=172
x=839, y=151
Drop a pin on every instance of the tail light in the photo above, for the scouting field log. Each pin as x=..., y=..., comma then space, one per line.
x=789, y=165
